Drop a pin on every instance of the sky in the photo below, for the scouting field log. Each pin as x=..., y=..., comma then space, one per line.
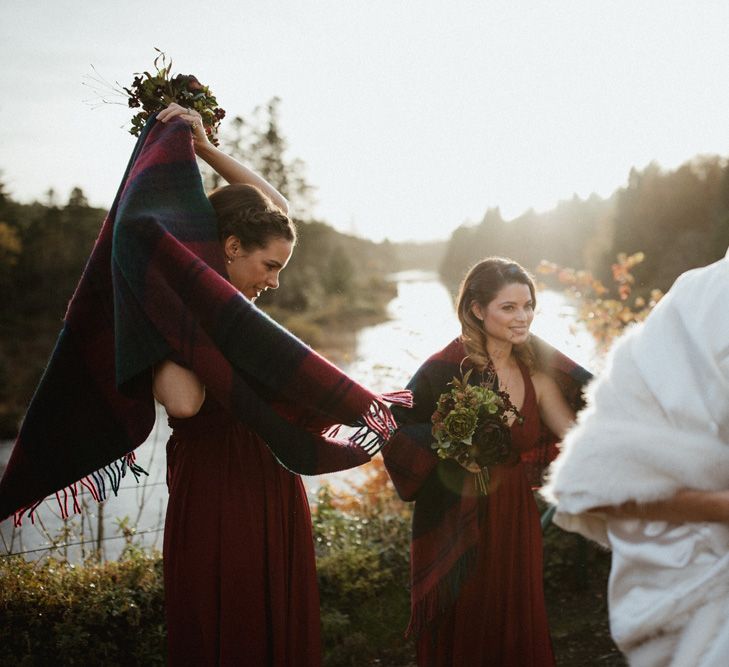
x=412, y=117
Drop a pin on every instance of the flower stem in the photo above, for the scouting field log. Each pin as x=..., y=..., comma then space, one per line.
x=482, y=481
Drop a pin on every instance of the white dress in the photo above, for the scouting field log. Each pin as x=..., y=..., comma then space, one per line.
x=657, y=421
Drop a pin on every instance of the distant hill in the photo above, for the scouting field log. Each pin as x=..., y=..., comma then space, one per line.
x=427, y=256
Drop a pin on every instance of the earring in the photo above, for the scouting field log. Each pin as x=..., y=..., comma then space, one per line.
x=228, y=260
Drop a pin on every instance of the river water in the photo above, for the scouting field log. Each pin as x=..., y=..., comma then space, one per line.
x=422, y=320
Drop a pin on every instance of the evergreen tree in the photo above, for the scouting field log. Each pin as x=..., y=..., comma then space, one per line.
x=259, y=143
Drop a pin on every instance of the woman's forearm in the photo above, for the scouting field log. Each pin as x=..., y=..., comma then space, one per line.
x=235, y=172
x=229, y=168
x=686, y=506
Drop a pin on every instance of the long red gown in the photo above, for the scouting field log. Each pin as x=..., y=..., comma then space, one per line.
x=239, y=565
x=500, y=617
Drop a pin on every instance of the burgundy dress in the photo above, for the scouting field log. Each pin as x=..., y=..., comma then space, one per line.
x=239, y=567
x=500, y=617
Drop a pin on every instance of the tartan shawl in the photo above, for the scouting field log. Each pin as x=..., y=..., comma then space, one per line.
x=154, y=289
x=445, y=526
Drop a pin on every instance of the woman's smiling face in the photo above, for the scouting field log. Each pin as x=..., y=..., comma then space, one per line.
x=508, y=316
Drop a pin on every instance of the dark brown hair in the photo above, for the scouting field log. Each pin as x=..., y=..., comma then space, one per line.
x=481, y=285
x=245, y=212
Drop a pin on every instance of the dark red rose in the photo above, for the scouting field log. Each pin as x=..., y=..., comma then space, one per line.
x=188, y=82
x=492, y=442
x=193, y=84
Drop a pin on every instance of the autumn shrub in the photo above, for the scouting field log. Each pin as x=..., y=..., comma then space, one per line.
x=605, y=311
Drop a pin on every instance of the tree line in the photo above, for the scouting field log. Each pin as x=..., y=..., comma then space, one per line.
x=678, y=218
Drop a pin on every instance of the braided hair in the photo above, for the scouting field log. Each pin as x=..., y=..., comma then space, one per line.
x=481, y=285
x=245, y=212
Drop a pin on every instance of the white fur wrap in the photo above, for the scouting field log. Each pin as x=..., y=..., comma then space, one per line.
x=656, y=421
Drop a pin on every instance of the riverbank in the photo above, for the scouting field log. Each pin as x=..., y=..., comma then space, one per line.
x=333, y=334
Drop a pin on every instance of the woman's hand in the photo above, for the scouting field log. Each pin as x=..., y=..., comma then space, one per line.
x=191, y=117
x=471, y=467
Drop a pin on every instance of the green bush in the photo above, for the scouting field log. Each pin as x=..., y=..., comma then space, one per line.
x=363, y=569
x=53, y=613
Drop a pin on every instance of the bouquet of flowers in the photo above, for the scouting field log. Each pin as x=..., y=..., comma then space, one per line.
x=470, y=425
x=153, y=92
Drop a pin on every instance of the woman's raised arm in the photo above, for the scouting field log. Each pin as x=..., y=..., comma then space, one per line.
x=229, y=168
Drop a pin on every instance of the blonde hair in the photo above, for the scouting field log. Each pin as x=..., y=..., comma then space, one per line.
x=481, y=285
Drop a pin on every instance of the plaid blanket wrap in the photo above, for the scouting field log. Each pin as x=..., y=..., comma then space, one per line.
x=445, y=526
x=154, y=289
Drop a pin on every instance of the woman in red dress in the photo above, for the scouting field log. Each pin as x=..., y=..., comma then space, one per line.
x=239, y=568
x=476, y=560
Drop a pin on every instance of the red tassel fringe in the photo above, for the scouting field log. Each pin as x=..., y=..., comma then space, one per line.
x=94, y=483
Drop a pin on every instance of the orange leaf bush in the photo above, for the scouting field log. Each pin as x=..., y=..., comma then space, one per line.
x=604, y=316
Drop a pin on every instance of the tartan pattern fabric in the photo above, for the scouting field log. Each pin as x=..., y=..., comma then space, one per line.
x=154, y=289
x=445, y=528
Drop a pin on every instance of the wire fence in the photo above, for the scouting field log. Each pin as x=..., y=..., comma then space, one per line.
x=93, y=542
x=64, y=545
